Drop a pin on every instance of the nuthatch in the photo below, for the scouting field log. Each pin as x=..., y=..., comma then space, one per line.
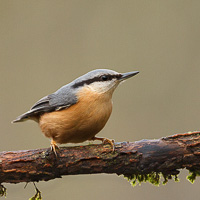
x=79, y=110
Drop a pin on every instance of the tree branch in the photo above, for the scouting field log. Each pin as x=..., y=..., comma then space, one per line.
x=166, y=155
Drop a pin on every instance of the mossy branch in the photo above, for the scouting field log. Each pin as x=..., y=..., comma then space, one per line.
x=143, y=160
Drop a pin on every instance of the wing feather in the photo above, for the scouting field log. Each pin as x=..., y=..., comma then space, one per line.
x=41, y=103
x=61, y=99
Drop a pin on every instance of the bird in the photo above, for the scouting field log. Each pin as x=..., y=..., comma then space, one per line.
x=79, y=110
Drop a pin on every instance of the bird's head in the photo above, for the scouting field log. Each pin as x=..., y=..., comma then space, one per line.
x=102, y=80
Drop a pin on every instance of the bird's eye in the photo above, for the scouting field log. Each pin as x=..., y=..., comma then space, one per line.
x=104, y=78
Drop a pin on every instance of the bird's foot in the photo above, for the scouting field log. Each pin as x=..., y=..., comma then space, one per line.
x=106, y=140
x=54, y=146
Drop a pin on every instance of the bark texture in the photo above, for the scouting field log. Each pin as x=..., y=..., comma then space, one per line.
x=166, y=155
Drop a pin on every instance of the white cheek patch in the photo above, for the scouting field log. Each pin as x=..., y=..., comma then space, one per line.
x=103, y=86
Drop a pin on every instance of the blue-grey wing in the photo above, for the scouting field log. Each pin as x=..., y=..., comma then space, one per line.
x=59, y=100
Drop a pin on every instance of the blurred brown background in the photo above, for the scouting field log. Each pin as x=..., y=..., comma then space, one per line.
x=46, y=44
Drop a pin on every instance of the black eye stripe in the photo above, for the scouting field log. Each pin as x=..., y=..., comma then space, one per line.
x=96, y=79
x=104, y=78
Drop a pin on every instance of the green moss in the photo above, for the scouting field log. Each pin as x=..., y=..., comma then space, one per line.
x=2, y=191
x=37, y=195
x=153, y=178
x=192, y=176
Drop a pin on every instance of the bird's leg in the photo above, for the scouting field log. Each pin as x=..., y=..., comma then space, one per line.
x=105, y=140
x=53, y=147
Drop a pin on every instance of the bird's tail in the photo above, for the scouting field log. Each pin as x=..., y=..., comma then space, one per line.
x=22, y=118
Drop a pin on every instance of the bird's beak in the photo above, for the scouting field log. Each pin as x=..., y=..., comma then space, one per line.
x=128, y=75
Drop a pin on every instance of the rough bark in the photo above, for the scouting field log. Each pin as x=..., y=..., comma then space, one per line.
x=166, y=155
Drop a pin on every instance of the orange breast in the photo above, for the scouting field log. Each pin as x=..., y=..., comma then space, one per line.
x=79, y=122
